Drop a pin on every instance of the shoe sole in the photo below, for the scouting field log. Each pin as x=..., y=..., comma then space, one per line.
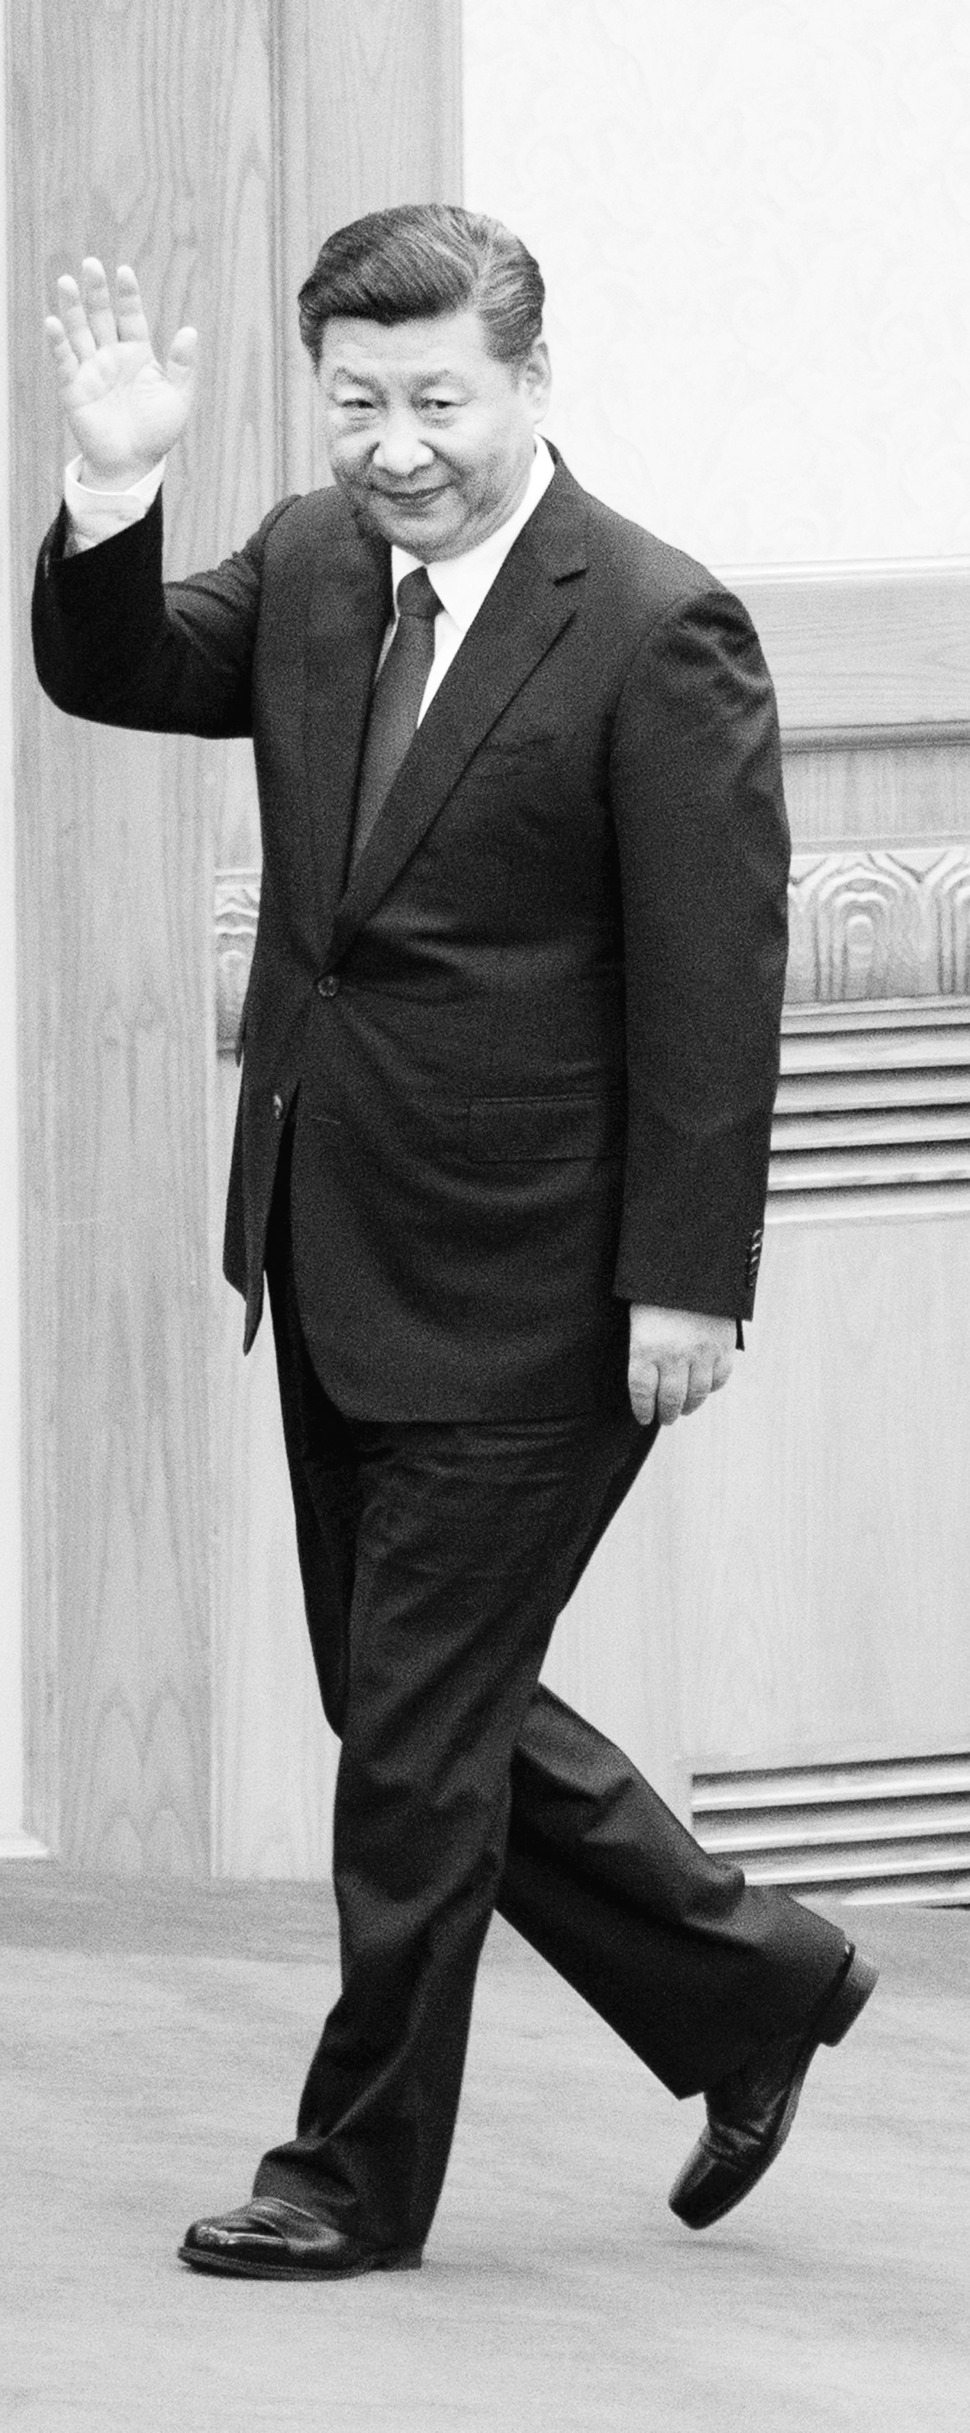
x=842, y=2009
x=832, y=2021
x=401, y=2259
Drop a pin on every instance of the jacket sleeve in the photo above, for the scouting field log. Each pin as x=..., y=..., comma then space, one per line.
x=703, y=840
x=112, y=642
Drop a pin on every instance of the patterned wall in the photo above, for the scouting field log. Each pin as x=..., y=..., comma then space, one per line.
x=753, y=216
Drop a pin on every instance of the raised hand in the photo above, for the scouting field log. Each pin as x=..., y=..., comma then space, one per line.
x=125, y=411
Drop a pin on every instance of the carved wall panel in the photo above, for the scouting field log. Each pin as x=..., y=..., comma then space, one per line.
x=877, y=925
x=873, y=1110
x=863, y=927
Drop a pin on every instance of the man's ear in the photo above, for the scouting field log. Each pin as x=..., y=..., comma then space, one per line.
x=537, y=376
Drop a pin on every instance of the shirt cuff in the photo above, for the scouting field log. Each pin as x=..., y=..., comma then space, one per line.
x=96, y=515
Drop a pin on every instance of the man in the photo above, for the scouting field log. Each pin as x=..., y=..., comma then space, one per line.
x=510, y=1051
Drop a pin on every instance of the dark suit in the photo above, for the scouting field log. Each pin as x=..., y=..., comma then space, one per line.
x=521, y=1063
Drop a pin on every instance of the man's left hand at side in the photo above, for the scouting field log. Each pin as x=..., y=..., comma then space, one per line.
x=677, y=1358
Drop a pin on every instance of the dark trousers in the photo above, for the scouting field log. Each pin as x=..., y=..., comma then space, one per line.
x=435, y=1560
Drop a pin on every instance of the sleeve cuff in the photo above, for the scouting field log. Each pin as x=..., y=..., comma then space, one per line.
x=97, y=515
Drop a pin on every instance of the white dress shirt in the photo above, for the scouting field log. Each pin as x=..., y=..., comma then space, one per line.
x=461, y=583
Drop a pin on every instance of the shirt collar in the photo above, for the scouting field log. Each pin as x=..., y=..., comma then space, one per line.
x=462, y=582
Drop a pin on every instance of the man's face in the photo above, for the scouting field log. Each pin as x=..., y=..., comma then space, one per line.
x=429, y=437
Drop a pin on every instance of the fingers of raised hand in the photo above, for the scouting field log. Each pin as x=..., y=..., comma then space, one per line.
x=86, y=310
x=70, y=324
x=132, y=323
x=81, y=324
x=86, y=319
x=63, y=356
x=180, y=368
x=96, y=305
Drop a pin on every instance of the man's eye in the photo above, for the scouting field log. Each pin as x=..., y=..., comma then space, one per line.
x=438, y=405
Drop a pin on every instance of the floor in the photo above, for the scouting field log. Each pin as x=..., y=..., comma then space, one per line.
x=153, y=2041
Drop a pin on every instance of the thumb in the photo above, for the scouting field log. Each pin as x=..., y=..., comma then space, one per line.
x=181, y=364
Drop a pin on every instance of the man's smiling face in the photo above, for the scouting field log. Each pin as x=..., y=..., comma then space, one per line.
x=430, y=437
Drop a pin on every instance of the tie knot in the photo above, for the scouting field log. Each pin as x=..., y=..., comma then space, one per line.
x=416, y=595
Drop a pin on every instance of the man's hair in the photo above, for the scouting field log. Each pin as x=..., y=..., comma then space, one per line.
x=419, y=260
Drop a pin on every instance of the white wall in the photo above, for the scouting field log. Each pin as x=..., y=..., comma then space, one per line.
x=753, y=218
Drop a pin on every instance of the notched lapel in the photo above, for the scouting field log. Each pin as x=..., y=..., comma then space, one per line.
x=529, y=605
x=350, y=606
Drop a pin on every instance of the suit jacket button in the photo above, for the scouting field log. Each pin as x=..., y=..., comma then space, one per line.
x=277, y=1106
x=328, y=984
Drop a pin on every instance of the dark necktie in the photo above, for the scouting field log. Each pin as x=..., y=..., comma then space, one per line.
x=396, y=699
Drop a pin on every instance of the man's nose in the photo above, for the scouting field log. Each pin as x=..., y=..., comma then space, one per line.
x=400, y=448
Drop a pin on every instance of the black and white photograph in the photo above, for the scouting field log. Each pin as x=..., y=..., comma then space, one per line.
x=485, y=1207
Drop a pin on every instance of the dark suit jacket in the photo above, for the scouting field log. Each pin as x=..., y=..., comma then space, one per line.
x=530, y=1044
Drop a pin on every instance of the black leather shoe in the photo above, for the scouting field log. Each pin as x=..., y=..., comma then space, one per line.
x=749, y=2113
x=272, y=2241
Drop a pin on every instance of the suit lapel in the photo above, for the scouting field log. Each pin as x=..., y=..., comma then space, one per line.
x=350, y=605
x=531, y=600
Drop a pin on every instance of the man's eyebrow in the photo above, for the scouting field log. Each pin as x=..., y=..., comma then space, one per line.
x=421, y=379
x=349, y=371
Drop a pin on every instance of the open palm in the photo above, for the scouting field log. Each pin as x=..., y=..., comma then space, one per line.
x=124, y=409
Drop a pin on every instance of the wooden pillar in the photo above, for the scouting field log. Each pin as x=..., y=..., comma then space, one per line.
x=212, y=147
x=11, y=1702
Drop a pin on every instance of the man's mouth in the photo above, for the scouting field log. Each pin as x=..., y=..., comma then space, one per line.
x=407, y=498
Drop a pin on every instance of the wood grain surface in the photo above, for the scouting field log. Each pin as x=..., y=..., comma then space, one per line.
x=367, y=113
x=819, y=1509
x=168, y=135
x=879, y=648
x=877, y=792
x=116, y=125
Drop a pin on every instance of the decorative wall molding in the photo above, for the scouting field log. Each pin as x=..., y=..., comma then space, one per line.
x=887, y=1829
x=873, y=1111
x=879, y=925
x=872, y=1117
x=866, y=927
